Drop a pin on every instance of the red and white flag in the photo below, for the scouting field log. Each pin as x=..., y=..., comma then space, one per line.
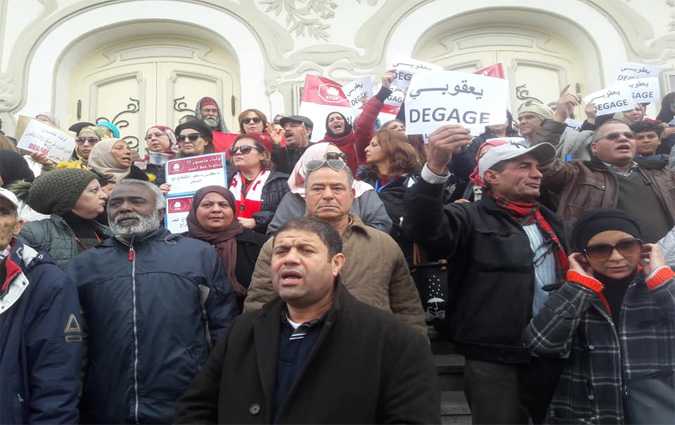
x=496, y=70
x=320, y=97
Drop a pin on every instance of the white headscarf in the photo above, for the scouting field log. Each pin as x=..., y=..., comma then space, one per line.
x=317, y=151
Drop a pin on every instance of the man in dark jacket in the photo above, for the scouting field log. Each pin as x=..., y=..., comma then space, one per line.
x=612, y=179
x=502, y=252
x=153, y=304
x=316, y=354
x=40, y=333
x=297, y=131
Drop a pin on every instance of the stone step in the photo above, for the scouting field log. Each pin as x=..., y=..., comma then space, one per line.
x=450, y=368
x=454, y=408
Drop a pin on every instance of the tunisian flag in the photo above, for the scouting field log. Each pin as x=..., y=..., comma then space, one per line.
x=320, y=97
x=496, y=70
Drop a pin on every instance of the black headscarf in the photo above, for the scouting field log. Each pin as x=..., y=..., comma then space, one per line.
x=14, y=168
x=348, y=126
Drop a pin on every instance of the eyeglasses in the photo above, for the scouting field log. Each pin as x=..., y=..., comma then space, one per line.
x=254, y=120
x=192, y=137
x=334, y=160
x=618, y=135
x=602, y=251
x=244, y=149
x=90, y=140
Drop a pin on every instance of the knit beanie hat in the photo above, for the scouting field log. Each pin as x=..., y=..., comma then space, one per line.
x=539, y=109
x=57, y=192
x=197, y=125
x=600, y=220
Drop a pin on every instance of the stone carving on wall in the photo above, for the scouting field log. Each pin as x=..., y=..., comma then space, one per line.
x=8, y=95
x=305, y=17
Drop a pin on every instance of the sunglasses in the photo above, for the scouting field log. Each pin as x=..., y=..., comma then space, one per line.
x=191, y=137
x=245, y=149
x=83, y=140
x=254, y=120
x=603, y=251
x=618, y=135
x=334, y=160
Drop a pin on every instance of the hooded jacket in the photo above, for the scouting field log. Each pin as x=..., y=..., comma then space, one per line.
x=153, y=307
x=40, y=342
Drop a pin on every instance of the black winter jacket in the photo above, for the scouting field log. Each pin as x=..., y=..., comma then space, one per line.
x=490, y=270
x=366, y=367
x=149, y=308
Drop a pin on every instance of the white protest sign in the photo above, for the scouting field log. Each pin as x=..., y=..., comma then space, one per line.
x=632, y=71
x=618, y=98
x=437, y=98
x=645, y=90
x=404, y=69
x=188, y=175
x=41, y=138
x=177, y=210
x=358, y=91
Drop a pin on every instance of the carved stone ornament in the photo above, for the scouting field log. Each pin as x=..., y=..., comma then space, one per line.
x=8, y=93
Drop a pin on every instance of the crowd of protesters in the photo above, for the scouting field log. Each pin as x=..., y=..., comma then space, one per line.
x=290, y=297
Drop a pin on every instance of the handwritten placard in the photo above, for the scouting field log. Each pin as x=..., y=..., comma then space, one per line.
x=437, y=98
x=177, y=210
x=618, y=98
x=41, y=138
x=633, y=71
x=645, y=90
x=188, y=175
x=358, y=91
x=404, y=69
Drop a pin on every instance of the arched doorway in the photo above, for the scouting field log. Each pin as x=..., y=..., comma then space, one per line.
x=47, y=89
x=145, y=73
x=539, y=61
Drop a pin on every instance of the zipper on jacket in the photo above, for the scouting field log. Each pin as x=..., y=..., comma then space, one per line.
x=131, y=255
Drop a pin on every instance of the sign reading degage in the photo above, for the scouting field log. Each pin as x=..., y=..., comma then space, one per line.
x=437, y=98
x=645, y=90
x=404, y=69
x=41, y=138
x=618, y=98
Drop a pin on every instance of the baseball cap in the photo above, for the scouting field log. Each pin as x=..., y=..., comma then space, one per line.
x=9, y=196
x=297, y=118
x=543, y=152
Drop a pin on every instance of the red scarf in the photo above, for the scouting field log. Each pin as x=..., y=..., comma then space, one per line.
x=529, y=213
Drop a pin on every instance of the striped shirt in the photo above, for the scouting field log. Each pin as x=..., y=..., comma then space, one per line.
x=544, y=265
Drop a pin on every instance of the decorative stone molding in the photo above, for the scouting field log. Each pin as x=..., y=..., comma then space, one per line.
x=9, y=98
x=304, y=18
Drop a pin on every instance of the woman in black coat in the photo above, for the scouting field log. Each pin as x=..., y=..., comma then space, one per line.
x=392, y=167
x=213, y=219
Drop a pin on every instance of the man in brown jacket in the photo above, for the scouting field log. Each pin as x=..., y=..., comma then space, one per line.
x=375, y=273
x=612, y=179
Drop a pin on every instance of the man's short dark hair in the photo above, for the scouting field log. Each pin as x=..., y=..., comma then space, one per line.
x=7, y=207
x=597, y=134
x=646, y=126
x=329, y=236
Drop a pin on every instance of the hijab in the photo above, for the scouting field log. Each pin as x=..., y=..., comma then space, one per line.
x=225, y=240
x=347, y=129
x=102, y=160
x=314, y=152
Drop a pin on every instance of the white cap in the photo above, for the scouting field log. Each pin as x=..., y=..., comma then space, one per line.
x=543, y=152
x=9, y=196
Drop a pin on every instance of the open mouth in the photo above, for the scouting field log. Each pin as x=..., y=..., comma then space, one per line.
x=127, y=221
x=290, y=277
x=623, y=148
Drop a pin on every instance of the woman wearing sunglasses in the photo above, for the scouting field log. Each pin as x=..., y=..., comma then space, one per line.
x=256, y=188
x=253, y=121
x=193, y=138
x=392, y=167
x=613, y=324
x=367, y=204
x=160, y=145
x=86, y=138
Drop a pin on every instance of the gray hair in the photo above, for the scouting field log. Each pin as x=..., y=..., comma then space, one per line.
x=346, y=170
x=159, y=198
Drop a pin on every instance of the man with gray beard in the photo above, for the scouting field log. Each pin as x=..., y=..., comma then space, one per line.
x=209, y=112
x=153, y=304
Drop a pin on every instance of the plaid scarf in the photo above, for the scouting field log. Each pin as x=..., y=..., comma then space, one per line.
x=529, y=213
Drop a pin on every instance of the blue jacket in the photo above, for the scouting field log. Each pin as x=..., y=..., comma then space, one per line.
x=40, y=342
x=152, y=309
